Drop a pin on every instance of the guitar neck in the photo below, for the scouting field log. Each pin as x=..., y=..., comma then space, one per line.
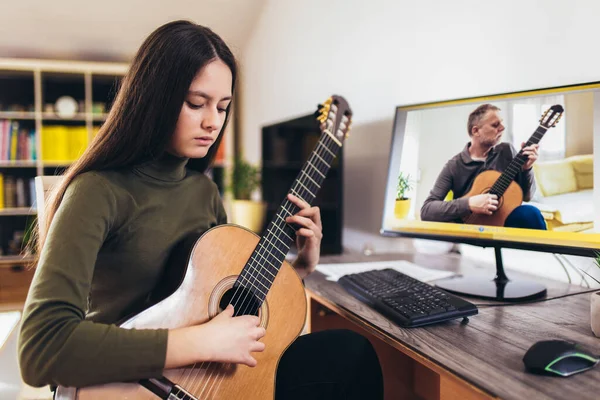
x=516, y=164
x=268, y=256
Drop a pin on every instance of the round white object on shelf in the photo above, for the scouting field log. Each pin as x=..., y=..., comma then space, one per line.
x=66, y=107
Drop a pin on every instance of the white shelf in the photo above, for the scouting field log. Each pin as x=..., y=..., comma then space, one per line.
x=99, y=117
x=17, y=163
x=17, y=115
x=54, y=117
x=11, y=211
x=7, y=260
x=57, y=163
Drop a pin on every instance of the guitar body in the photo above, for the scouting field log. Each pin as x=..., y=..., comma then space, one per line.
x=511, y=199
x=214, y=264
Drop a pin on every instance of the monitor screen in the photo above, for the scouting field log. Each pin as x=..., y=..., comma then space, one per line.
x=510, y=170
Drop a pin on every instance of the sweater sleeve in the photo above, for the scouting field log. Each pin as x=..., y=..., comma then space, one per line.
x=435, y=208
x=57, y=346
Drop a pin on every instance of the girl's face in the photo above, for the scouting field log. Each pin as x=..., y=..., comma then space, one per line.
x=203, y=112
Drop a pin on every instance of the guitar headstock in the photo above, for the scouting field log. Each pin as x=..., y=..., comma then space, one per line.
x=552, y=115
x=335, y=117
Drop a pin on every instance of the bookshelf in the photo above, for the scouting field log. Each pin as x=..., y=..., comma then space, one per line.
x=39, y=138
x=46, y=141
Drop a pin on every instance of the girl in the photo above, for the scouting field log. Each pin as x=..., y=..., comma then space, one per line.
x=137, y=191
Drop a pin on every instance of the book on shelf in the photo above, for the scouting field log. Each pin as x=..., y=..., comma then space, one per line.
x=63, y=143
x=17, y=142
x=16, y=191
x=1, y=191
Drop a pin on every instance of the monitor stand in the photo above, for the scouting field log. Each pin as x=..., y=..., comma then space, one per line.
x=500, y=288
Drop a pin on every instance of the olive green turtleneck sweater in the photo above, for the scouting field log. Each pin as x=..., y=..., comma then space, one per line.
x=106, y=249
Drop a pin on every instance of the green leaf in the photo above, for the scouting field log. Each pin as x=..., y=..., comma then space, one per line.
x=404, y=185
x=245, y=179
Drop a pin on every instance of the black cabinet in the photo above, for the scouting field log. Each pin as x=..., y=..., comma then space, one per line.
x=285, y=148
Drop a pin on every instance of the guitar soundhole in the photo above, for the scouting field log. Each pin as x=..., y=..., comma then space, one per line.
x=243, y=300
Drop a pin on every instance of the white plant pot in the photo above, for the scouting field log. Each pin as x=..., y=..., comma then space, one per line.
x=595, y=313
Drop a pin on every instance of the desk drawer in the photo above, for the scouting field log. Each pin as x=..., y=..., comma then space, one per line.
x=14, y=283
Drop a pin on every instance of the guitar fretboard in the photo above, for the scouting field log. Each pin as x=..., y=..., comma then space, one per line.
x=516, y=164
x=268, y=256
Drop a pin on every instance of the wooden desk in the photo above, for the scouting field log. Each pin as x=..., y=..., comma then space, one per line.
x=481, y=359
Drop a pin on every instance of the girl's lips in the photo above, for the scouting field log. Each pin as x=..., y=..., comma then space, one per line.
x=203, y=141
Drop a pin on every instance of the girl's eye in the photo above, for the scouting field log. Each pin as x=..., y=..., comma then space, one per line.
x=222, y=110
x=195, y=106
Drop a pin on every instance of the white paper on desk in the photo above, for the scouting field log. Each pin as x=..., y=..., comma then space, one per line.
x=336, y=271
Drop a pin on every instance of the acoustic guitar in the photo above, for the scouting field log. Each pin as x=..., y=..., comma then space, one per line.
x=231, y=265
x=510, y=194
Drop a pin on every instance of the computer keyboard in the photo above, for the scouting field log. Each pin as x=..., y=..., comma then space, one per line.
x=408, y=302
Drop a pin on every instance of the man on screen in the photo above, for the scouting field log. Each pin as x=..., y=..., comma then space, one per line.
x=484, y=151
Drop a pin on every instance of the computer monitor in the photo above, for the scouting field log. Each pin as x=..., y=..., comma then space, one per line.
x=438, y=156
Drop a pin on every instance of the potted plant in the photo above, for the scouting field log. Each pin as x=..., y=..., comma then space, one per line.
x=402, y=205
x=246, y=180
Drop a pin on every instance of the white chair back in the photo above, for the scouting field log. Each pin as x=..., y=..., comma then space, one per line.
x=43, y=186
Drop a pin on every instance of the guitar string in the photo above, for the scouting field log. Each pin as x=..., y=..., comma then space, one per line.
x=265, y=257
x=259, y=247
x=303, y=195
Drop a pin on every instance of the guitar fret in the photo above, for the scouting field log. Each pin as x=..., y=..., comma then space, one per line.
x=278, y=227
x=258, y=270
x=287, y=211
x=259, y=264
x=268, y=251
x=265, y=258
x=285, y=244
x=295, y=193
x=325, y=147
x=252, y=257
x=256, y=261
x=251, y=284
x=323, y=161
x=282, y=220
x=308, y=176
x=254, y=278
x=272, y=244
x=311, y=193
x=316, y=169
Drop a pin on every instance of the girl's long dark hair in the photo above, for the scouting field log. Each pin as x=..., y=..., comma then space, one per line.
x=147, y=106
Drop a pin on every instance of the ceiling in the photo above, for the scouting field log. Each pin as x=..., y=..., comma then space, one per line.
x=112, y=30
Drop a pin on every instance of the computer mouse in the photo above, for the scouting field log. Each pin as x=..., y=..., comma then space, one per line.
x=559, y=358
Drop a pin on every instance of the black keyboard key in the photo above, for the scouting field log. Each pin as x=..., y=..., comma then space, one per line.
x=405, y=300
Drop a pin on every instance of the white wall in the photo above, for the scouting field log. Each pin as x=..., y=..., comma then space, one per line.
x=379, y=54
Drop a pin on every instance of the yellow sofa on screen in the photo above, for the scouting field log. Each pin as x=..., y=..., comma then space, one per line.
x=565, y=193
